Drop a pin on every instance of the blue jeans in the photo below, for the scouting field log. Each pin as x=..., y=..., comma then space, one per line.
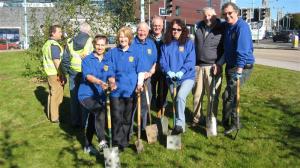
x=78, y=114
x=182, y=92
x=229, y=95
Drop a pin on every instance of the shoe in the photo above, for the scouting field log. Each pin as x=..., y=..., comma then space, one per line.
x=230, y=130
x=90, y=150
x=102, y=145
x=177, y=130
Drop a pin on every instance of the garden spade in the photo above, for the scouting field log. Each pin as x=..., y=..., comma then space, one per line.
x=138, y=144
x=151, y=130
x=174, y=141
x=237, y=107
x=164, y=123
x=211, y=121
x=111, y=154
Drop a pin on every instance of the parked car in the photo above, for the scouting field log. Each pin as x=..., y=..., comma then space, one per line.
x=8, y=45
x=285, y=36
x=268, y=35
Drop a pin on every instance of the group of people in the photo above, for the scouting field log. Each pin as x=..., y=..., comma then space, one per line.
x=157, y=60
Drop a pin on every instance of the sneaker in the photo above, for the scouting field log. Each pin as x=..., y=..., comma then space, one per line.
x=177, y=130
x=102, y=145
x=89, y=150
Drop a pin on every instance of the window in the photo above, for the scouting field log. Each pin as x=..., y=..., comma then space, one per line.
x=178, y=10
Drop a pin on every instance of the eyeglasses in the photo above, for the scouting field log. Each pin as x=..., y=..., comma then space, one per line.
x=174, y=29
x=227, y=13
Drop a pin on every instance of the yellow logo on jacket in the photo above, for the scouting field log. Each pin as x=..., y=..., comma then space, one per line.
x=105, y=68
x=149, y=51
x=181, y=48
x=131, y=58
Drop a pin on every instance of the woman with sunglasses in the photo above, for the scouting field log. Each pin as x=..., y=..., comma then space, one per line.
x=178, y=63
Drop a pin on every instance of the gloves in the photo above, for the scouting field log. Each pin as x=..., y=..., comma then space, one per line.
x=171, y=74
x=236, y=76
x=179, y=75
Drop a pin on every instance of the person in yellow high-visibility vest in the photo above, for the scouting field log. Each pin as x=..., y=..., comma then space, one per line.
x=52, y=54
x=77, y=48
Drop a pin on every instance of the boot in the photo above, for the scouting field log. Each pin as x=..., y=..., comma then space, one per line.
x=235, y=124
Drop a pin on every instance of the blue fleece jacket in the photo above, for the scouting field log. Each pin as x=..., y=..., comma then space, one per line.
x=147, y=50
x=101, y=70
x=177, y=58
x=126, y=66
x=238, y=46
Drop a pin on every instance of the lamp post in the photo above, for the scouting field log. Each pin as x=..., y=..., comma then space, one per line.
x=25, y=25
x=142, y=10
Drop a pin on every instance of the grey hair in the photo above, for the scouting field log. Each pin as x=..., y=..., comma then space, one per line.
x=157, y=18
x=206, y=9
x=142, y=24
x=85, y=27
x=234, y=6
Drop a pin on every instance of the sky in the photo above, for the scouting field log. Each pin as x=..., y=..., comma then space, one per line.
x=287, y=6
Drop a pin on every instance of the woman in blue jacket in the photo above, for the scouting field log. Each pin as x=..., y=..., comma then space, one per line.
x=126, y=65
x=178, y=63
x=91, y=93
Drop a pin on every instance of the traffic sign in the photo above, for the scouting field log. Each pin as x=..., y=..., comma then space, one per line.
x=163, y=12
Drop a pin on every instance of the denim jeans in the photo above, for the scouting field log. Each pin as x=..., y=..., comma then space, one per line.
x=182, y=92
x=229, y=95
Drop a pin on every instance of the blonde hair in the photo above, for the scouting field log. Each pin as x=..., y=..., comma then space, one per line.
x=127, y=32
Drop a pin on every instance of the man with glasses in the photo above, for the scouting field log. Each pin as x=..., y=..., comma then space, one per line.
x=158, y=80
x=238, y=54
x=209, y=50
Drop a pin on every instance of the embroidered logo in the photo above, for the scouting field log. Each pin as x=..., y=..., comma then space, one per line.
x=131, y=58
x=105, y=67
x=149, y=51
x=181, y=48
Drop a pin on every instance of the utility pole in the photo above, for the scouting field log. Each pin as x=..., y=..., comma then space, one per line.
x=142, y=11
x=25, y=25
x=149, y=15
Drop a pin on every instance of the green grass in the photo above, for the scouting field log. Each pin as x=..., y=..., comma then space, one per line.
x=270, y=109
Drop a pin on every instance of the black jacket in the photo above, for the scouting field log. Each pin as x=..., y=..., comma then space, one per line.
x=210, y=48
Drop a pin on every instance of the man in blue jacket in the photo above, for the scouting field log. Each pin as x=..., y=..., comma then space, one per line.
x=238, y=52
x=146, y=49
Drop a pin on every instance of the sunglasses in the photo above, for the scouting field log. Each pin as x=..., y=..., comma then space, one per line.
x=174, y=29
x=227, y=13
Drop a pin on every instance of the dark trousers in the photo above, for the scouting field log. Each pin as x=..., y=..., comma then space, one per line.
x=159, y=89
x=121, y=110
x=229, y=95
x=96, y=120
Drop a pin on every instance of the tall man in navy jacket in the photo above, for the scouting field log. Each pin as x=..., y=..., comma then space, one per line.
x=238, y=52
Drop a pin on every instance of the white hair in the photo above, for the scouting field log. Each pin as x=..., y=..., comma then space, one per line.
x=142, y=24
x=209, y=9
x=85, y=27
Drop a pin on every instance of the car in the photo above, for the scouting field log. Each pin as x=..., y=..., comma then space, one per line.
x=268, y=35
x=9, y=45
x=285, y=36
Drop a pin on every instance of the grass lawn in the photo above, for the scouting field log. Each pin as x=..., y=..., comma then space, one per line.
x=270, y=114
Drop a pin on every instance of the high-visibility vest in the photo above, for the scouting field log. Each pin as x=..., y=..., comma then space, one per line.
x=77, y=56
x=48, y=63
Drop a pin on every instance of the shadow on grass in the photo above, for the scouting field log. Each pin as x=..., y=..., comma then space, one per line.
x=7, y=146
x=289, y=126
x=70, y=134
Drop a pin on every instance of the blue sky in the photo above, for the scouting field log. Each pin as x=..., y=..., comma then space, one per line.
x=287, y=6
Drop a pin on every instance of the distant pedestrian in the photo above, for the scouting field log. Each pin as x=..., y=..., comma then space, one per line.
x=158, y=79
x=178, y=64
x=239, y=59
x=77, y=49
x=209, y=50
x=52, y=55
x=127, y=64
x=91, y=93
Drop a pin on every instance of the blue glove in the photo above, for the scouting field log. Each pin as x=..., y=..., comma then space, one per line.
x=179, y=74
x=171, y=74
x=236, y=76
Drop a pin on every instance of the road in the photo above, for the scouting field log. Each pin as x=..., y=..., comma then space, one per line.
x=281, y=58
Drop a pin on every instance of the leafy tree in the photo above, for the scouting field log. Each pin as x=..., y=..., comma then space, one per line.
x=295, y=24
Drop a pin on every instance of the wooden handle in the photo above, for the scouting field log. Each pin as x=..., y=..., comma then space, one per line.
x=238, y=96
